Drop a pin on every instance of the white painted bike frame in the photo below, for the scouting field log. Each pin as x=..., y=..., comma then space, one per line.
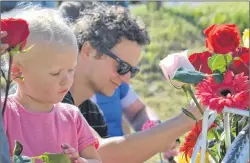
x=201, y=143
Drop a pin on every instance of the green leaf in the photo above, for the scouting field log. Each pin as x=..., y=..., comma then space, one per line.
x=218, y=77
x=222, y=149
x=27, y=49
x=18, y=148
x=21, y=159
x=188, y=76
x=212, y=142
x=242, y=123
x=217, y=62
x=210, y=135
x=16, y=49
x=189, y=114
x=55, y=158
x=228, y=57
x=185, y=91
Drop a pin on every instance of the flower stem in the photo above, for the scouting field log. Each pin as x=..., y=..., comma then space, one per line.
x=212, y=155
x=226, y=61
x=215, y=135
x=188, y=87
x=173, y=83
x=33, y=159
x=161, y=160
x=8, y=81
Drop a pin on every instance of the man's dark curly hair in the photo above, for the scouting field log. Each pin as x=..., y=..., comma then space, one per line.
x=104, y=26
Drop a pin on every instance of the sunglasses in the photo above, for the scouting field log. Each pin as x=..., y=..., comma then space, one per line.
x=123, y=67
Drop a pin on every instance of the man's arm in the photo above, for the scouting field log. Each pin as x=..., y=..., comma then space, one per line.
x=125, y=126
x=134, y=109
x=138, y=113
x=140, y=146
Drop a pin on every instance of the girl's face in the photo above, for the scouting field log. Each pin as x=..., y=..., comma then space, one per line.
x=48, y=74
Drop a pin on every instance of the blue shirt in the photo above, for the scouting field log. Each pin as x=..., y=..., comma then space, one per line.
x=113, y=106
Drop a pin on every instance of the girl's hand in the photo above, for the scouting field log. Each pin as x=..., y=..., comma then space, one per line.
x=73, y=154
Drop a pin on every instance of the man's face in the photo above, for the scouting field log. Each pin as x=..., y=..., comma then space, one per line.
x=104, y=77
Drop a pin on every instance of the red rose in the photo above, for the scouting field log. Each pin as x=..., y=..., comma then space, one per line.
x=222, y=39
x=200, y=61
x=241, y=65
x=18, y=31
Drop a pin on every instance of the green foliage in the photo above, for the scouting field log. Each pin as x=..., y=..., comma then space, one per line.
x=21, y=159
x=188, y=76
x=189, y=114
x=18, y=148
x=219, y=62
x=55, y=158
x=45, y=157
x=17, y=157
x=218, y=77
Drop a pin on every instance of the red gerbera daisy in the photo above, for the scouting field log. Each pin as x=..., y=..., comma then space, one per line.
x=190, y=140
x=232, y=92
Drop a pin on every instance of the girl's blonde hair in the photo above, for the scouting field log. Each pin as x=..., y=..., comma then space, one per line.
x=47, y=26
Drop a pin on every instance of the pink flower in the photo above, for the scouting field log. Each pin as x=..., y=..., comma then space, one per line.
x=149, y=124
x=173, y=62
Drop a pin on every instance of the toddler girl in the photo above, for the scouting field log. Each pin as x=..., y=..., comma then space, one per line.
x=35, y=115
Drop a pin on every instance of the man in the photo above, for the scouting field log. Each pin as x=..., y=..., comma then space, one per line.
x=110, y=41
x=124, y=101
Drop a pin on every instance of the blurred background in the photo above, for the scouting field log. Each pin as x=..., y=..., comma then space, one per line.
x=173, y=27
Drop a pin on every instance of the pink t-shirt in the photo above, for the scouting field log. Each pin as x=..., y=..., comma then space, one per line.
x=45, y=132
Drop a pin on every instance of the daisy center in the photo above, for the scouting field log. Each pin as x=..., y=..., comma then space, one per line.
x=225, y=92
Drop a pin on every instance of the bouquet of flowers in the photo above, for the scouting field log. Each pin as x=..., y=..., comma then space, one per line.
x=217, y=78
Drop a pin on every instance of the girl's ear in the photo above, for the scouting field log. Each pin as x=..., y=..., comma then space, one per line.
x=16, y=73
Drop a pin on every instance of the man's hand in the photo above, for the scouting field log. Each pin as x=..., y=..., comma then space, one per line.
x=173, y=151
x=194, y=109
x=3, y=47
